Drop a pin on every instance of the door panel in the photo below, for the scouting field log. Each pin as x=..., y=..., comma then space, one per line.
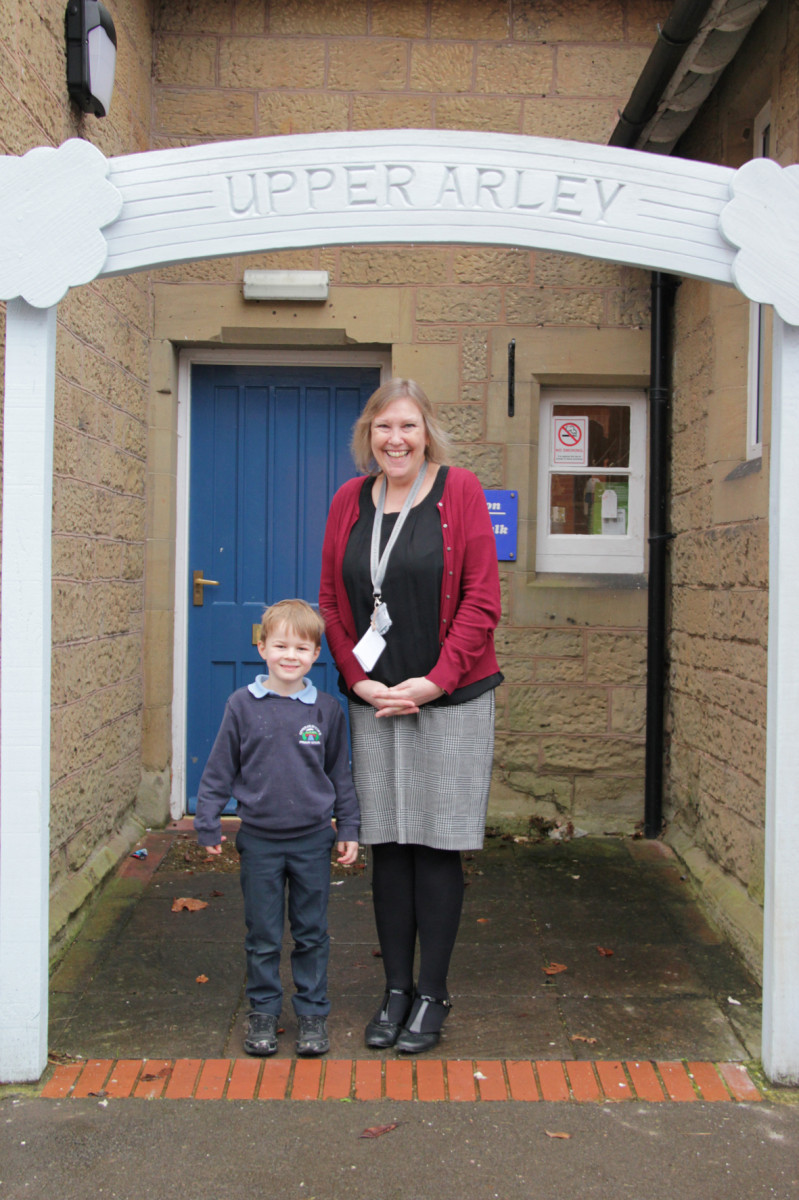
x=269, y=447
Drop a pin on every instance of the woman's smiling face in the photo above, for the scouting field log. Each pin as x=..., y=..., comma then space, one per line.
x=399, y=440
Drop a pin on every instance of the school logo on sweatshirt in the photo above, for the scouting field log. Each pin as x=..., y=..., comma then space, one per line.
x=310, y=735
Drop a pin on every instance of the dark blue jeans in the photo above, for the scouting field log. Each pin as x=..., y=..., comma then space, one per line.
x=268, y=867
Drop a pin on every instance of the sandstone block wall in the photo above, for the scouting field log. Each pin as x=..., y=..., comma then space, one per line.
x=99, y=487
x=560, y=70
x=719, y=513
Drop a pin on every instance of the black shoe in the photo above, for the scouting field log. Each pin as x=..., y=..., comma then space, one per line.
x=261, y=1036
x=312, y=1038
x=384, y=1027
x=413, y=1038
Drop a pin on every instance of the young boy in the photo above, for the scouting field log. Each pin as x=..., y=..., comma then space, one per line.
x=282, y=752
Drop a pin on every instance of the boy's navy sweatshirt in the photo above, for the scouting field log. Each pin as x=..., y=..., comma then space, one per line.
x=286, y=762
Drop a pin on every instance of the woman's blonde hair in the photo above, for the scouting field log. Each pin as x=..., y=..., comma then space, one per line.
x=437, y=448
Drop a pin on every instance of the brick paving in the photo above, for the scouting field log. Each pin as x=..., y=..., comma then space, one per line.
x=423, y=1079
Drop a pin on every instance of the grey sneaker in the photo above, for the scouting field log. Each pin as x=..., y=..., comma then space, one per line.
x=312, y=1038
x=261, y=1036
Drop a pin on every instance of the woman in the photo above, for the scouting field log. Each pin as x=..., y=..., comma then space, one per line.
x=422, y=703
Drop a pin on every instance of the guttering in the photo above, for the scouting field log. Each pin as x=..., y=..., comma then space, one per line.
x=674, y=37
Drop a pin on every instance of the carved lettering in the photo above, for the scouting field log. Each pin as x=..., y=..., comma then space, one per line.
x=565, y=193
x=354, y=184
x=273, y=190
x=451, y=186
x=328, y=177
x=489, y=179
x=604, y=204
x=399, y=185
x=424, y=187
x=242, y=198
x=517, y=202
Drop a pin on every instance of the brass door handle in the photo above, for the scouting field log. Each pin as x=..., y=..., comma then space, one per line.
x=198, y=584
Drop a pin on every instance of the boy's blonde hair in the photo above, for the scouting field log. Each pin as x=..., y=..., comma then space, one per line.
x=296, y=615
x=437, y=448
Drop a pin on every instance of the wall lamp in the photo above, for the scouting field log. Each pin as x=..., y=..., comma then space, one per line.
x=286, y=285
x=91, y=55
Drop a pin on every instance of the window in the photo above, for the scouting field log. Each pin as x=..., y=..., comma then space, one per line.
x=758, y=314
x=591, y=467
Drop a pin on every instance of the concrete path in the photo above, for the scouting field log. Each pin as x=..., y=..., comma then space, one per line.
x=191, y=1150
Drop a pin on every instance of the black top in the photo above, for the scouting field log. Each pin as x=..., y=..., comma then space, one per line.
x=411, y=590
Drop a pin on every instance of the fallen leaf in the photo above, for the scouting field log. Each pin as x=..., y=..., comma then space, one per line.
x=549, y=1133
x=377, y=954
x=579, y=1037
x=483, y=920
x=378, y=1130
x=164, y=1073
x=216, y=893
x=188, y=903
x=201, y=979
x=555, y=968
x=605, y=952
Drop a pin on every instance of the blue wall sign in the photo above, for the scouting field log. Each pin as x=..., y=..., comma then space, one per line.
x=503, y=508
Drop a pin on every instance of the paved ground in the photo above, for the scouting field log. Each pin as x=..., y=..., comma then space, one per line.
x=546, y=1083
x=191, y=1150
x=645, y=976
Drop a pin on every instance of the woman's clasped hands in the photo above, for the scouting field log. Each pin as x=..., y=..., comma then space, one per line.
x=401, y=700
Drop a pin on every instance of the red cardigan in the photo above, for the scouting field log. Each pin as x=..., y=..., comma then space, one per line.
x=470, y=601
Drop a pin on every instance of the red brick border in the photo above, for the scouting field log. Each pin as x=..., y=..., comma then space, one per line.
x=425, y=1079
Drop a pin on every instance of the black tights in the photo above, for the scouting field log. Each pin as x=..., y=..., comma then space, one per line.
x=417, y=890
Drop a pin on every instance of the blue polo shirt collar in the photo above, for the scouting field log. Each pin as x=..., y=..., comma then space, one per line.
x=259, y=690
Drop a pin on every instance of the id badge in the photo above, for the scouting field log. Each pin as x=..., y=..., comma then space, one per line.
x=369, y=649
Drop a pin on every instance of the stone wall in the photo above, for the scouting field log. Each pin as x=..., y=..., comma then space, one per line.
x=570, y=719
x=99, y=501
x=719, y=558
x=510, y=66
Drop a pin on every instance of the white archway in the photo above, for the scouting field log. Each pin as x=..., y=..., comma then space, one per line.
x=68, y=215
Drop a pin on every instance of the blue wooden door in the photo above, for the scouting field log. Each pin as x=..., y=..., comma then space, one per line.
x=269, y=446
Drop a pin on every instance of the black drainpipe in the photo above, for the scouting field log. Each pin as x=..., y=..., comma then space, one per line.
x=663, y=289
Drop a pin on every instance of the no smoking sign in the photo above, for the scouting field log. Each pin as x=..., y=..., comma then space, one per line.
x=570, y=441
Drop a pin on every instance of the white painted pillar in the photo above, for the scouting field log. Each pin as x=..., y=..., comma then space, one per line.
x=780, y=1046
x=25, y=689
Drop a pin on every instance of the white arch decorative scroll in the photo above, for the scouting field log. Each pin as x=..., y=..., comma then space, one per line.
x=47, y=247
x=644, y=210
x=239, y=197
x=68, y=216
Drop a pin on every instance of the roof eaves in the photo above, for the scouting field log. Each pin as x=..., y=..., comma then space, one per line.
x=697, y=41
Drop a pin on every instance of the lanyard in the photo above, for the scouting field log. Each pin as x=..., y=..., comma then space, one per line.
x=379, y=562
